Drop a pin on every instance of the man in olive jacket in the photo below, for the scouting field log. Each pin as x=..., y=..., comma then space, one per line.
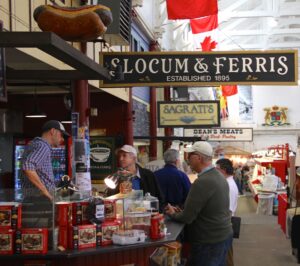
x=206, y=210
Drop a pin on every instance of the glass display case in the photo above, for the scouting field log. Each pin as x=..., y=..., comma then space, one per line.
x=36, y=225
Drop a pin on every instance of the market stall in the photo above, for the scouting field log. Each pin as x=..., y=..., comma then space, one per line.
x=81, y=230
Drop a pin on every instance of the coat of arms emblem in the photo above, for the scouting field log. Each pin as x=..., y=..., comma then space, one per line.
x=276, y=116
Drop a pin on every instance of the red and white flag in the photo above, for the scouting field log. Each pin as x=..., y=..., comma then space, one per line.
x=229, y=90
x=189, y=9
x=208, y=44
x=204, y=24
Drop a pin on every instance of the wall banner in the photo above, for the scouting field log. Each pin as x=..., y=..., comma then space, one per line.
x=189, y=114
x=221, y=134
x=103, y=160
x=199, y=68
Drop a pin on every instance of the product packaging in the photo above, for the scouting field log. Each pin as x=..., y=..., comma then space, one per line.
x=33, y=241
x=10, y=215
x=7, y=241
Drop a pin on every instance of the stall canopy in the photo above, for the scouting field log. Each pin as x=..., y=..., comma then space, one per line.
x=82, y=66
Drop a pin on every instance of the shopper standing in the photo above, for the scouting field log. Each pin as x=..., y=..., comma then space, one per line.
x=174, y=183
x=142, y=179
x=206, y=210
x=37, y=177
x=226, y=168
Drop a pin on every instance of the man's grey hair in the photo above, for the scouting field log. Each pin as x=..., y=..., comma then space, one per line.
x=171, y=156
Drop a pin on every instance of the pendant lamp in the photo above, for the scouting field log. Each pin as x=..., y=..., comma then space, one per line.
x=36, y=112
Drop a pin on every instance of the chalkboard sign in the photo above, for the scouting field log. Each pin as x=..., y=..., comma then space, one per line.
x=3, y=92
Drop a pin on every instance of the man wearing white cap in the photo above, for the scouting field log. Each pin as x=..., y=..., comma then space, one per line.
x=143, y=178
x=206, y=210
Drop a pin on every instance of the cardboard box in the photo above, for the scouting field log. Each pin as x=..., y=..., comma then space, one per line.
x=107, y=229
x=110, y=210
x=63, y=236
x=63, y=213
x=34, y=241
x=10, y=215
x=7, y=241
x=84, y=236
x=174, y=253
x=159, y=257
x=79, y=215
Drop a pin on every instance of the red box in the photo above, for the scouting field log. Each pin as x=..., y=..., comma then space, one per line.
x=34, y=240
x=110, y=210
x=63, y=236
x=108, y=228
x=63, y=213
x=79, y=215
x=7, y=240
x=10, y=215
x=84, y=236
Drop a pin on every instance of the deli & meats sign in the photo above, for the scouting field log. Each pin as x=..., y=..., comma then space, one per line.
x=221, y=134
x=198, y=69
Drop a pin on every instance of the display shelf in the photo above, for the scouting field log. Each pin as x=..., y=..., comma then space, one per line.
x=129, y=253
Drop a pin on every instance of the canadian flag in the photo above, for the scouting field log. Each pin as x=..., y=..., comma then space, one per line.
x=229, y=90
x=189, y=9
x=204, y=24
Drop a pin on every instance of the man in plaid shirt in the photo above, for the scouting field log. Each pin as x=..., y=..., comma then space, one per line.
x=37, y=177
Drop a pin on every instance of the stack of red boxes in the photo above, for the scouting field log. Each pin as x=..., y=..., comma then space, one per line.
x=76, y=232
x=10, y=221
x=32, y=241
x=110, y=224
x=74, y=229
x=63, y=220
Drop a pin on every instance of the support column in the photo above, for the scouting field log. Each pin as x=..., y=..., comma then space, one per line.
x=168, y=130
x=81, y=96
x=153, y=113
x=128, y=135
x=153, y=126
x=82, y=105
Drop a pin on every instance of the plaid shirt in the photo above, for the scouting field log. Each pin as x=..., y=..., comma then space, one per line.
x=37, y=157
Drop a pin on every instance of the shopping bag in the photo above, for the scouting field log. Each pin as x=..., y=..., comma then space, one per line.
x=295, y=232
x=236, y=226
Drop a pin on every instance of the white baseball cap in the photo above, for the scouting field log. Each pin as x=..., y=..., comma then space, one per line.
x=202, y=147
x=129, y=148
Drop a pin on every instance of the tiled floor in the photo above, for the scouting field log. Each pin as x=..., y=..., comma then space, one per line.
x=261, y=242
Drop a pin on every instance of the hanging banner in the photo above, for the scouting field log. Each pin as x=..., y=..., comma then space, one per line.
x=103, y=159
x=200, y=68
x=189, y=114
x=221, y=134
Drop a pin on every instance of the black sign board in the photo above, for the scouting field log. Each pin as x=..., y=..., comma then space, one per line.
x=198, y=68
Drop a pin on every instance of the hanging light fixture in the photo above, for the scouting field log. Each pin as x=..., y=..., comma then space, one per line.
x=67, y=120
x=36, y=112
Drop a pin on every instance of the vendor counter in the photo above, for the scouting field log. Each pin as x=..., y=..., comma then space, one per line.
x=137, y=254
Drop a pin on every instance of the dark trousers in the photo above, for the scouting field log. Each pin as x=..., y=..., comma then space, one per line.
x=210, y=254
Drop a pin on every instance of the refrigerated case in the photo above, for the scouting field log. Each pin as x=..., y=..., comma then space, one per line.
x=60, y=162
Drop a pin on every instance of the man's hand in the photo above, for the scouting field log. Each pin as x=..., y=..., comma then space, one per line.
x=169, y=209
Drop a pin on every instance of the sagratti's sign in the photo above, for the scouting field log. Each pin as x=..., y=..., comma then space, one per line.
x=189, y=114
x=198, y=69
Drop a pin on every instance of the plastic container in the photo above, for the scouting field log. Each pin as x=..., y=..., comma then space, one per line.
x=265, y=204
x=138, y=221
x=151, y=203
x=128, y=237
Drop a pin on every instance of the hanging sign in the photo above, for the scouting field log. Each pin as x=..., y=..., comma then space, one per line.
x=103, y=160
x=189, y=114
x=200, y=68
x=221, y=134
